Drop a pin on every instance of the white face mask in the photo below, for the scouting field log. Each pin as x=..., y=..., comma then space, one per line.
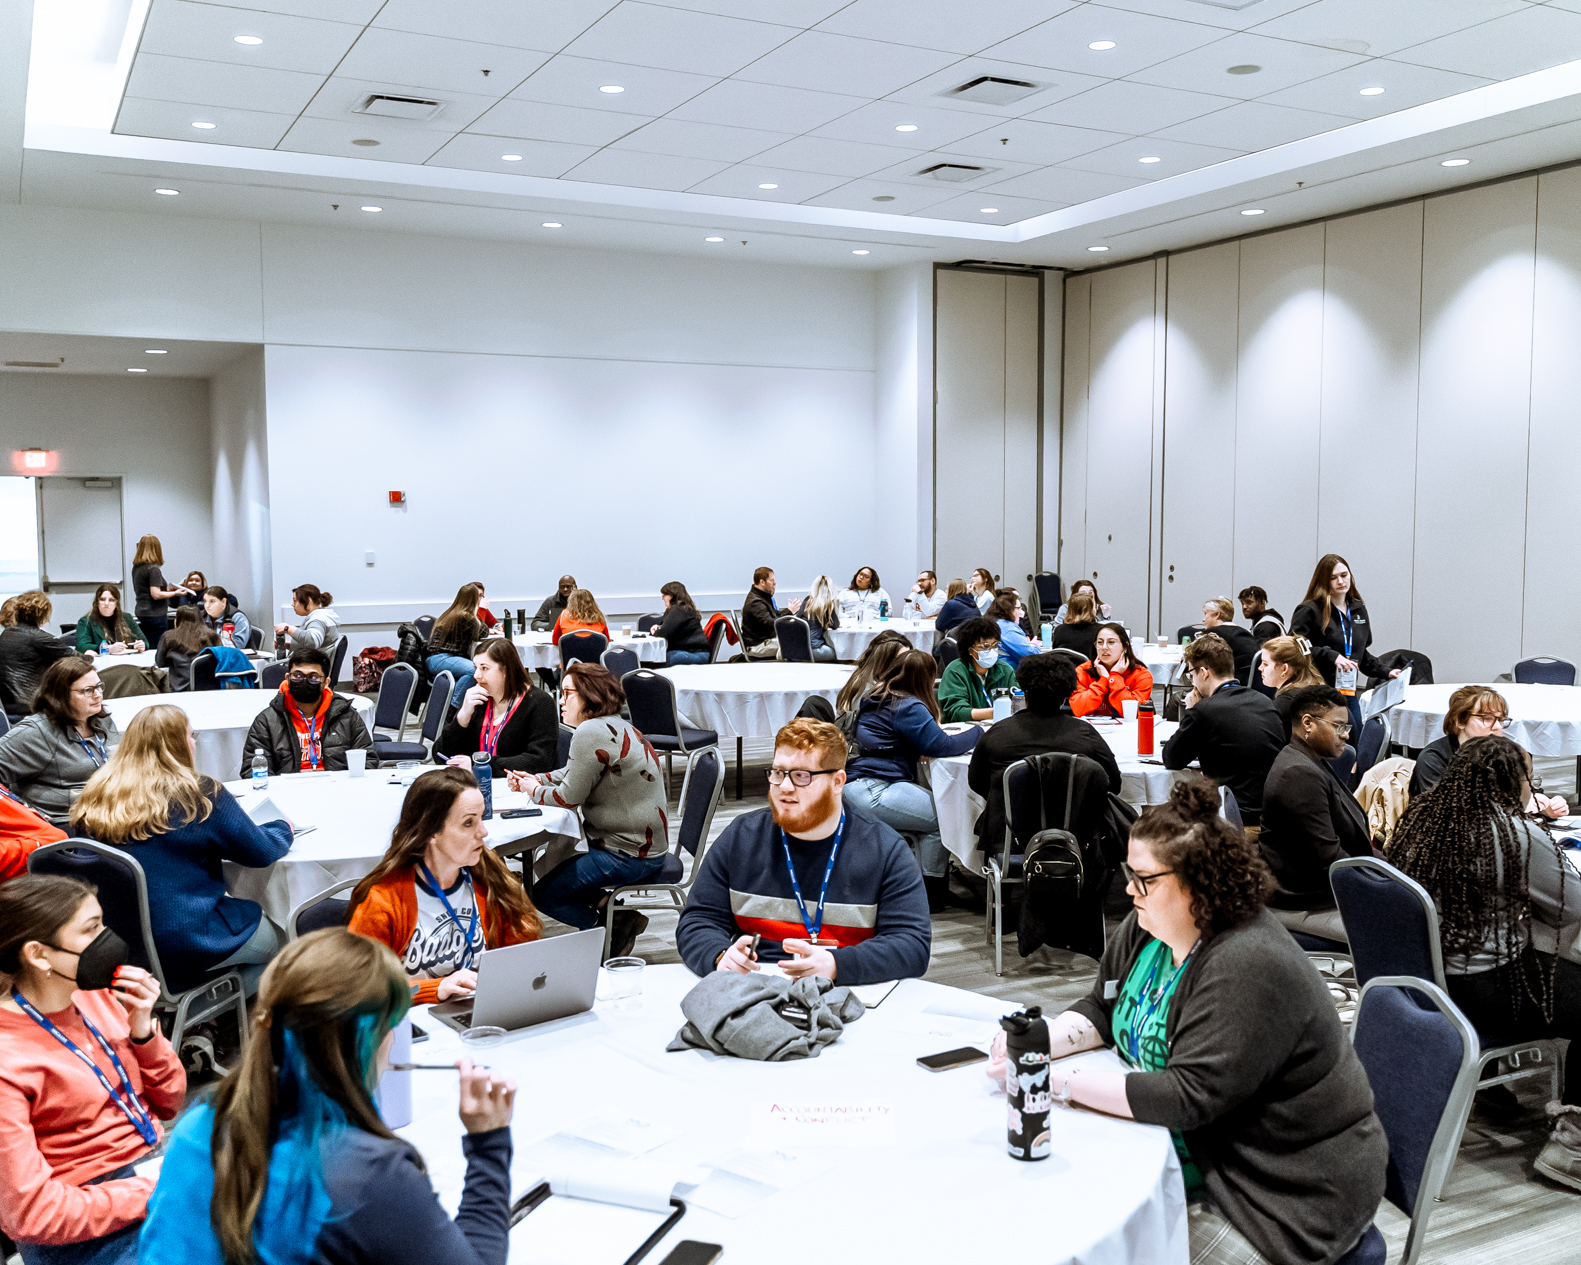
x=987, y=658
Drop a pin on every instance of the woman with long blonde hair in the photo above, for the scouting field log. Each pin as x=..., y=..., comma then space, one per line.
x=150, y=800
x=289, y=1161
x=821, y=611
x=581, y=614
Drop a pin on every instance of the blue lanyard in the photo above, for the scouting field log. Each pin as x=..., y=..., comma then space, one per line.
x=816, y=925
x=96, y=753
x=1142, y=1016
x=1345, y=623
x=126, y=1098
x=472, y=927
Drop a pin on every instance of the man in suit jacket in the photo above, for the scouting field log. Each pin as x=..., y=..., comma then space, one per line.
x=1048, y=680
x=1309, y=819
x=1216, y=616
x=1233, y=733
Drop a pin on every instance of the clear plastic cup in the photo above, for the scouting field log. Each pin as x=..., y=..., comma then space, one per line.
x=357, y=761
x=622, y=983
x=480, y=1038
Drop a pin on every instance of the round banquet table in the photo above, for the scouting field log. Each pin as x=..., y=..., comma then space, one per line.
x=538, y=652
x=352, y=820
x=1109, y=1193
x=145, y=659
x=957, y=805
x=850, y=640
x=1545, y=719
x=221, y=719
x=1162, y=661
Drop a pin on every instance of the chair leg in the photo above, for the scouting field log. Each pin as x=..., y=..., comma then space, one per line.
x=609, y=926
x=999, y=927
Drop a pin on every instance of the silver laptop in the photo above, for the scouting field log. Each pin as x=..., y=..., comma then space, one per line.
x=526, y=984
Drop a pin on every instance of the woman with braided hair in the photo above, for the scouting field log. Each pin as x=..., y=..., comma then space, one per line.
x=1509, y=916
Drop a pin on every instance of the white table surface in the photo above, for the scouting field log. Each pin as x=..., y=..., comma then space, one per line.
x=958, y=805
x=146, y=659
x=751, y=700
x=1162, y=661
x=221, y=718
x=537, y=651
x=1546, y=718
x=354, y=818
x=850, y=640
x=945, y=1190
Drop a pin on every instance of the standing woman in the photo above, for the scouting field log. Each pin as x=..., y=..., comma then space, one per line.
x=107, y=622
x=455, y=634
x=581, y=614
x=501, y=714
x=821, y=611
x=966, y=688
x=152, y=593
x=320, y=626
x=68, y=1194
x=26, y=651
x=682, y=630
x=1333, y=616
x=440, y=896
x=865, y=598
x=981, y=589
x=1114, y=676
x=48, y=757
x=182, y=644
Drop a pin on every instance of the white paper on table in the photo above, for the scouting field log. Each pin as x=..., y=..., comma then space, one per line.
x=728, y=1195
x=871, y=994
x=963, y=1005
x=832, y=1122
x=625, y=1183
x=622, y=1131
x=1389, y=694
x=948, y=1032
x=771, y=1166
x=581, y=1232
x=264, y=810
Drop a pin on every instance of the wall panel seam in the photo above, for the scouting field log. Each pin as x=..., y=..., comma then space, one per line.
x=1531, y=382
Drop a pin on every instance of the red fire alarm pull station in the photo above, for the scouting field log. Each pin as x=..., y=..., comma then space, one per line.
x=397, y=498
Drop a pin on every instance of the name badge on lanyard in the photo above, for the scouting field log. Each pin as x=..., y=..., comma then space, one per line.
x=1345, y=678
x=814, y=922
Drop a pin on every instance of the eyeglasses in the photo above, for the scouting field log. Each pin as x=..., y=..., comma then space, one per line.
x=1496, y=722
x=305, y=678
x=1141, y=880
x=89, y=690
x=798, y=777
x=1341, y=727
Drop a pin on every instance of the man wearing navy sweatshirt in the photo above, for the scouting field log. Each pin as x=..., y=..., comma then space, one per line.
x=830, y=890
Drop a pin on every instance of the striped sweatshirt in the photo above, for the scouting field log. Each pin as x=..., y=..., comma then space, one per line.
x=875, y=910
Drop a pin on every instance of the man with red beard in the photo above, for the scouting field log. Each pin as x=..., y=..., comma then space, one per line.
x=829, y=890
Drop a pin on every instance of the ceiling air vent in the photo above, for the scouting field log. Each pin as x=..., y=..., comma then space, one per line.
x=34, y=364
x=990, y=90
x=385, y=106
x=955, y=172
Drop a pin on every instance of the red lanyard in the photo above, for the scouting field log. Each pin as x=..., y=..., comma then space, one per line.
x=491, y=734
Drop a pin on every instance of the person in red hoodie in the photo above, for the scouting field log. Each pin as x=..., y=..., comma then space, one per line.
x=1112, y=678
x=87, y=1075
x=22, y=830
x=440, y=896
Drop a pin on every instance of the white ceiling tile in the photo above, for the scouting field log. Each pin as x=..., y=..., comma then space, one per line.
x=1365, y=26
x=1035, y=143
x=678, y=39
x=160, y=78
x=802, y=13
x=994, y=170
x=172, y=121
x=546, y=25
x=833, y=158
x=876, y=123
x=645, y=171
x=359, y=11
x=1404, y=85
x=483, y=153
x=1140, y=39
x=432, y=62
x=1283, y=63
x=335, y=136
x=764, y=105
x=208, y=31
x=576, y=81
x=1211, y=14
x=838, y=63
x=1573, y=5
x=1060, y=184
x=942, y=24
x=1006, y=210
x=934, y=90
x=1533, y=39
x=859, y=195
x=743, y=179
x=1254, y=125
x=340, y=95
x=1175, y=157
x=1126, y=106
x=700, y=140
x=541, y=121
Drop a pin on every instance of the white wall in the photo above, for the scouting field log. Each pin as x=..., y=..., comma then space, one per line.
x=903, y=415
x=239, y=442
x=1398, y=386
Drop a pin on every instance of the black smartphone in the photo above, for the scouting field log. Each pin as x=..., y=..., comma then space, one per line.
x=509, y=813
x=691, y=1252
x=967, y=1054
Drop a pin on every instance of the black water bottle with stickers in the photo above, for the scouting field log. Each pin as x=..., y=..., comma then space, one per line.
x=1027, y=1083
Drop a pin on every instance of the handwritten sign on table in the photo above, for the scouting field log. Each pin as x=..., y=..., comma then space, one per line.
x=838, y=1122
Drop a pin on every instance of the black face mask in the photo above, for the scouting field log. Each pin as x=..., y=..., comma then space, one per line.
x=96, y=965
x=306, y=692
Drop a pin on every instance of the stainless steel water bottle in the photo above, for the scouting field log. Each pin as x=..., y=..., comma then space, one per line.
x=1027, y=1083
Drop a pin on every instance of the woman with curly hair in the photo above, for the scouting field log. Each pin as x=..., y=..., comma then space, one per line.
x=1509, y=916
x=1233, y=1044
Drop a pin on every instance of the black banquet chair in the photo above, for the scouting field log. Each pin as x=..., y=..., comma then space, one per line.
x=795, y=639
x=650, y=698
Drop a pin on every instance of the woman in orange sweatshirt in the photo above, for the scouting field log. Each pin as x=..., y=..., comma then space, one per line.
x=86, y=1075
x=1113, y=676
x=440, y=896
x=581, y=614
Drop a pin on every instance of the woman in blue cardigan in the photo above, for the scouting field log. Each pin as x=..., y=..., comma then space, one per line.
x=180, y=825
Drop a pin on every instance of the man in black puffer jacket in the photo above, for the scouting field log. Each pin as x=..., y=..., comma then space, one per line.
x=307, y=726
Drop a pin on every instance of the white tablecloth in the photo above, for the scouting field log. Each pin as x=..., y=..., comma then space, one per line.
x=537, y=651
x=1162, y=661
x=943, y=1190
x=751, y=700
x=849, y=641
x=958, y=805
x=146, y=659
x=221, y=718
x=1547, y=718
x=353, y=819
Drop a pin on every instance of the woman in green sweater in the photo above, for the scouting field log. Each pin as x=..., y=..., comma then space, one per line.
x=106, y=621
x=966, y=690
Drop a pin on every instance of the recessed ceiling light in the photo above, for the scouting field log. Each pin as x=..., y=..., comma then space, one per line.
x=1101, y=46
x=713, y=239
x=612, y=87
x=510, y=158
x=247, y=39
x=905, y=127
x=1150, y=159
x=137, y=371
x=366, y=142
x=1243, y=70
x=1097, y=250
x=373, y=209
x=1373, y=92
x=169, y=193
x=552, y=224
x=988, y=210
x=1455, y=162
x=884, y=197
x=1253, y=210
x=768, y=186
x=155, y=351
x=859, y=252
x=205, y=127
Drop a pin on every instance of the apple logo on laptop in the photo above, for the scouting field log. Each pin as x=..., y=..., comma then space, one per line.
x=542, y=979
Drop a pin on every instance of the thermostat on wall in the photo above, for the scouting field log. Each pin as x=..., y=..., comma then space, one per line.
x=397, y=498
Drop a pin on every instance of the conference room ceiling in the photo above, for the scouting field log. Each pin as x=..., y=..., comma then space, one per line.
x=51, y=355
x=809, y=127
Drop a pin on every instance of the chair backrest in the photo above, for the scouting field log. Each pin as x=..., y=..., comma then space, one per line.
x=272, y=676
x=1254, y=676
x=254, y=637
x=1389, y=920
x=1372, y=743
x=1076, y=657
x=394, y=699
x=651, y=700
x=437, y=712
x=69, y=628
x=1049, y=591
x=1188, y=630
x=336, y=661
x=1027, y=810
x=1541, y=670
x=795, y=639
x=200, y=673
x=1230, y=807
x=425, y=626
x=620, y=660
x=1420, y=1054
x=700, y=794
x=562, y=746
x=946, y=650
x=1421, y=666
x=718, y=638
x=122, y=894
x=321, y=910
x=647, y=623
x=582, y=647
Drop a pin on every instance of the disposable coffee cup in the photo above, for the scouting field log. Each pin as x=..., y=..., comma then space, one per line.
x=1128, y=708
x=357, y=761
x=1162, y=642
